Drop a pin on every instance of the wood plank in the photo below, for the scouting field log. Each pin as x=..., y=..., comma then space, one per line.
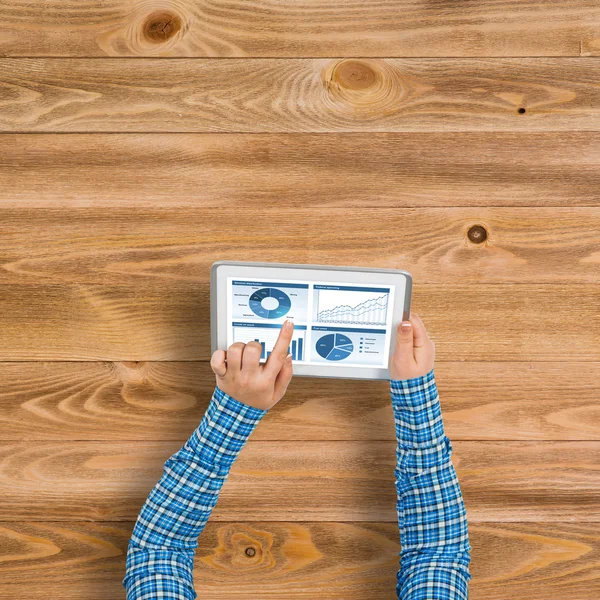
x=299, y=95
x=299, y=560
x=162, y=401
x=243, y=171
x=312, y=481
x=168, y=319
x=94, y=246
x=285, y=28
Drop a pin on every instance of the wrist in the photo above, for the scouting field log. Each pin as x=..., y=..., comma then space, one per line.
x=226, y=402
x=417, y=410
x=412, y=384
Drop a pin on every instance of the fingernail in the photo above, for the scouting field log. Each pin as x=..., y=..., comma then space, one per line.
x=289, y=358
x=288, y=323
x=406, y=326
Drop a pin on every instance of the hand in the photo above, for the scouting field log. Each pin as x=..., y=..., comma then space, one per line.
x=240, y=374
x=415, y=351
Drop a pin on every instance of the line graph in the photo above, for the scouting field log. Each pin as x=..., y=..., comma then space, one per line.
x=372, y=311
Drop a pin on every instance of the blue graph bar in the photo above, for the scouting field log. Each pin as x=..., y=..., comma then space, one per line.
x=262, y=355
x=295, y=349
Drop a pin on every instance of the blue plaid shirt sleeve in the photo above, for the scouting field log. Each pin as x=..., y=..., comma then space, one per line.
x=160, y=554
x=435, y=554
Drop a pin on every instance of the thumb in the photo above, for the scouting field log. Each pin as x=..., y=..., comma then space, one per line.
x=218, y=364
x=283, y=378
x=404, y=342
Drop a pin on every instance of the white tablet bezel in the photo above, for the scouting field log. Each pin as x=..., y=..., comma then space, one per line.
x=221, y=270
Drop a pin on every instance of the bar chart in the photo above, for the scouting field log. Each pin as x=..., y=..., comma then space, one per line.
x=266, y=335
x=295, y=349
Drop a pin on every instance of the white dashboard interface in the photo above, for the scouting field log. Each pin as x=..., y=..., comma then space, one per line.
x=343, y=323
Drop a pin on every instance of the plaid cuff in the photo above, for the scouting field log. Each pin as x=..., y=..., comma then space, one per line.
x=414, y=391
x=154, y=573
x=417, y=411
x=224, y=429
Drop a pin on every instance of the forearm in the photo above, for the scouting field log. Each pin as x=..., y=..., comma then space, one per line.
x=431, y=512
x=160, y=556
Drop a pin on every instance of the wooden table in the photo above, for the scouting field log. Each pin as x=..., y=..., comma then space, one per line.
x=143, y=140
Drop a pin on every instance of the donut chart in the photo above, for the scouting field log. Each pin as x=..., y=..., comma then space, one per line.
x=334, y=346
x=256, y=303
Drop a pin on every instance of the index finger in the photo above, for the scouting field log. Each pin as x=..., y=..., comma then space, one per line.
x=280, y=349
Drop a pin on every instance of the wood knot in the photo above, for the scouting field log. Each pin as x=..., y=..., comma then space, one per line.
x=364, y=88
x=161, y=26
x=132, y=370
x=477, y=234
x=132, y=364
x=242, y=547
x=354, y=75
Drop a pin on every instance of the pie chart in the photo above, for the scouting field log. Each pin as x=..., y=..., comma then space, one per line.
x=334, y=346
x=270, y=303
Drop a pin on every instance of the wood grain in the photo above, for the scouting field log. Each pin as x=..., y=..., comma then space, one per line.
x=162, y=401
x=141, y=140
x=285, y=28
x=168, y=319
x=284, y=480
x=300, y=560
x=299, y=95
x=343, y=171
x=156, y=245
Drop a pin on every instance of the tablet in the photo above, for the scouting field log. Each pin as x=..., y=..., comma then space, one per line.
x=345, y=318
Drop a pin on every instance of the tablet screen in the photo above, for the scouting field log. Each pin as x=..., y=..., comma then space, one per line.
x=334, y=322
